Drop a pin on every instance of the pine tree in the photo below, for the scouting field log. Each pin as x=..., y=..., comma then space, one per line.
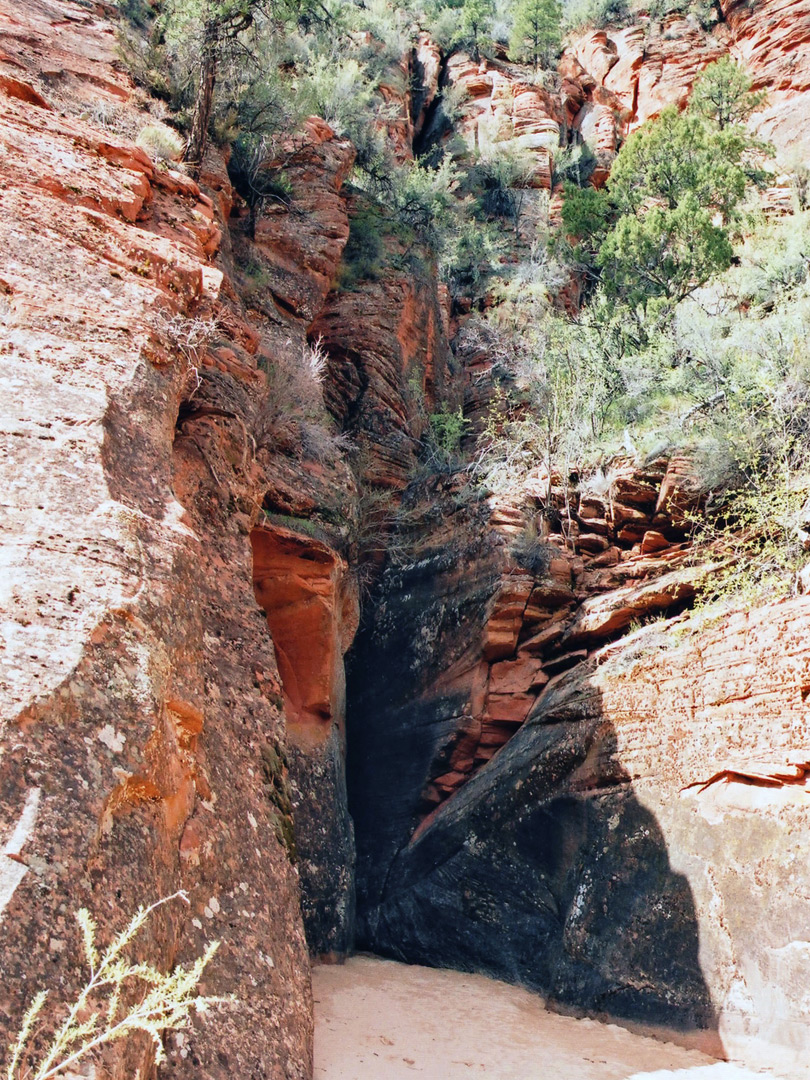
x=217, y=26
x=723, y=94
x=476, y=16
x=537, y=31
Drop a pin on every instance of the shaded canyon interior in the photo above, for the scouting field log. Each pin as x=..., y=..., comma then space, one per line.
x=343, y=703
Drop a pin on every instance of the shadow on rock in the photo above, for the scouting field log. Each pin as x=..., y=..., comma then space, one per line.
x=544, y=869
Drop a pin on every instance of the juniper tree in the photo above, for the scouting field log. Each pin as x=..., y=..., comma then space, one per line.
x=655, y=235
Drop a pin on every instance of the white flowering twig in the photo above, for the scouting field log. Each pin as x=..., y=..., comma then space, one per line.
x=103, y=1013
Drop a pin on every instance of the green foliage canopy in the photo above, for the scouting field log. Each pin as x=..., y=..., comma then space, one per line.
x=676, y=156
x=537, y=30
x=476, y=18
x=663, y=254
x=723, y=94
x=660, y=230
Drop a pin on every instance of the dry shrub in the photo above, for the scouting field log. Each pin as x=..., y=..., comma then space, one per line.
x=292, y=417
x=161, y=143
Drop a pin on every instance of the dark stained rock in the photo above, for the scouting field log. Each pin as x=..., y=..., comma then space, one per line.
x=520, y=876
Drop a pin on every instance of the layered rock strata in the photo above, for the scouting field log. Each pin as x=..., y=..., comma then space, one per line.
x=138, y=712
x=617, y=79
x=587, y=772
x=544, y=787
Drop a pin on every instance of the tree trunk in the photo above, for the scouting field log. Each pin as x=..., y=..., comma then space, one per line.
x=204, y=99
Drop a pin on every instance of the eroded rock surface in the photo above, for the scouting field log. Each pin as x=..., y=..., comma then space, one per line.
x=498, y=105
x=623, y=77
x=543, y=788
x=575, y=815
x=770, y=39
x=137, y=668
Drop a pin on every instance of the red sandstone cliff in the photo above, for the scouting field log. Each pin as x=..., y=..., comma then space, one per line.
x=632, y=74
x=180, y=589
x=139, y=693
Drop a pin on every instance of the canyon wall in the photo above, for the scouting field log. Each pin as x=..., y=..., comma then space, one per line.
x=540, y=788
x=626, y=76
x=142, y=738
x=603, y=798
x=179, y=547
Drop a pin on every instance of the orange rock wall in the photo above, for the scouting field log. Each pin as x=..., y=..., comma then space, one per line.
x=628, y=76
x=614, y=803
x=144, y=745
x=138, y=700
x=500, y=107
x=771, y=39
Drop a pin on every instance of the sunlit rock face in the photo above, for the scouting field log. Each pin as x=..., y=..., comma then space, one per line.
x=499, y=107
x=771, y=40
x=311, y=606
x=633, y=73
x=139, y=703
x=172, y=675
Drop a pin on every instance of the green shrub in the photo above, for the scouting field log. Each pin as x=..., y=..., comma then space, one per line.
x=532, y=553
x=800, y=183
x=723, y=95
x=258, y=178
x=596, y=13
x=138, y=13
x=448, y=429
x=501, y=176
x=703, y=10
x=292, y=418
x=574, y=164
x=468, y=258
x=364, y=254
x=536, y=32
x=653, y=235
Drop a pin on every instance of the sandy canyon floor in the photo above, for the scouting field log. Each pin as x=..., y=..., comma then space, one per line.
x=379, y=1020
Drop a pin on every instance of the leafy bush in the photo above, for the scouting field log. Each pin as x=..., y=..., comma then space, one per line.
x=800, y=183
x=364, y=254
x=448, y=429
x=423, y=200
x=758, y=521
x=653, y=235
x=502, y=176
x=722, y=94
x=663, y=255
x=257, y=177
x=596, y=13
x=292, y=418
x=138, y=13
x=574, y=164
x=704, y=11
x=533, y=553
x=338, y=89
x=468, y=257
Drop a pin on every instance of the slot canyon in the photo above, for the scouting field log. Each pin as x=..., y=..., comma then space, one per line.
x=271, y=638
